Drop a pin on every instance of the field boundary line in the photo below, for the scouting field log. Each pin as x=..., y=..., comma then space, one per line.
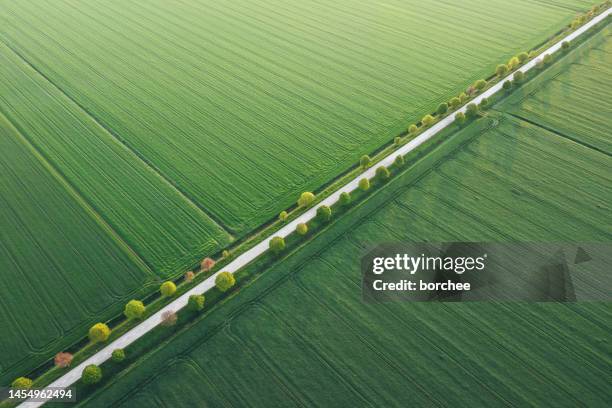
x=115, y=137
x=559, y=134
x=242, y=260
x=81, y=201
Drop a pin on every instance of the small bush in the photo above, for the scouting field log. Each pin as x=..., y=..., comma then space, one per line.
x=460, y=118
x=364, y=184
x=442, y=109
x=523, y=57
x=167, y=289
x=565, y=45
x=224, y=281
x=324, y=213
x=412, y=129
x=196, y=302
x=226, y=254
x=547, y=59
x=484, y=103
x=518, y=77
x=365, y=161
x=471, y=110
x=399, y=160
x=283, y=216
x=306, y=199
x=118, y=355
x=92, y=374
x=99, y=332
x=189, y=275
x=501, y=70
x=480, y=84
x=21, y=383
x=169, y=318
x=533, y=54
x=345, y=198
x=383, y=173
x=455, y=102
x=397, y=141
x=208, y=263
x=301, y=229
x=62, y=360
x=507, y=85
x=134, y=309
x=277, y=244
x=463, y=97
x=428, y=120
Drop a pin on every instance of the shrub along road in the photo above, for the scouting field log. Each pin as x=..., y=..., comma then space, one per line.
x=134, y=334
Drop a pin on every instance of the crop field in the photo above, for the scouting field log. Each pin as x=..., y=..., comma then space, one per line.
x=293, y=335
x=243, y=105
x=577, y=92
x=53, y=251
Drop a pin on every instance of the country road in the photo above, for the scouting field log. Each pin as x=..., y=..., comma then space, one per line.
x=147, y=325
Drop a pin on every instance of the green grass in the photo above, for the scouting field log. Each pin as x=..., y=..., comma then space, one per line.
x=62, y=267
x=300, y=334
x=244, y=105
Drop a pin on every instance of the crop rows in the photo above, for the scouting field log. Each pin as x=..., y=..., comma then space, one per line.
x=245, y=104
x=301, y=334
x=53, y=252
x=579, y=92
x=160, y=224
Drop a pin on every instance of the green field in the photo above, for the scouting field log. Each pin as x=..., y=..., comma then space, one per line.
x=301, y=335
x=56, y=252
x=245, y=104
x=172, y=128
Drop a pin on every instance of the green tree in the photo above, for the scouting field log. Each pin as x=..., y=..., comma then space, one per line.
x=547, y=59
x=501, y=70
x=21, y=383
x=507, y=85
x=513, y=63
x=523, y=57
x=226, y=254
x=283, y=216
x=92, y=374
x=463, y=97
x=565, y=45
x=118, y=355
x=399, y=160
x=480, y=84
x=397, y=141
x=324, y=213
x=365, y=161
x=345, y=198
x=134, y=309
x=364, y=184
x=471, y=110
x=224, y=281
x=99, y=332
x=428, y=120
x=442, y=109
x=460, y=117
x=412, y=129
x=455, y=102
x=484, y=103
x=301, y=229
x=518, y=77
x=306, y=199
x=167, y=289
x=277, y=244
x=383, y=173
x=196, y=302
